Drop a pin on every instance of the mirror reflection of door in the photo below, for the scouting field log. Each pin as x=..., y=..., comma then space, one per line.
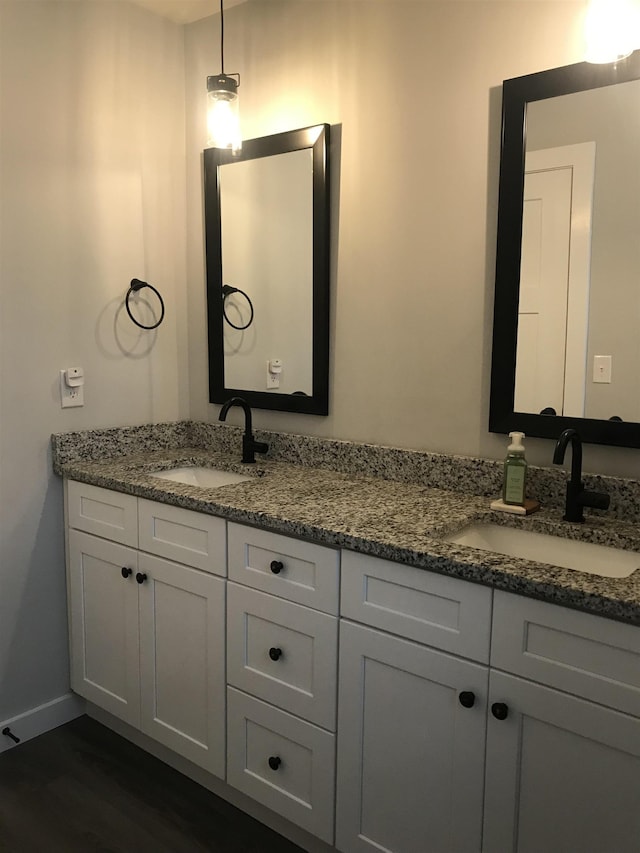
x=553, y=308
x=266, y=210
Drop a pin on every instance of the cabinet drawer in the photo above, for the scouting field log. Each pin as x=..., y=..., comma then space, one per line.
x=283, y=652
x=300, y=571
x=282, y=762
x=447, y=613
x=587, y=655
x=105, y=513
x=193, y=538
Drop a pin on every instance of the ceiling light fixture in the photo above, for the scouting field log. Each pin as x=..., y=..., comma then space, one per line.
x=612, y=30
x=223, y=119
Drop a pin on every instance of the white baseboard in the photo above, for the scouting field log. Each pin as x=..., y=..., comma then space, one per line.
x=37, y=721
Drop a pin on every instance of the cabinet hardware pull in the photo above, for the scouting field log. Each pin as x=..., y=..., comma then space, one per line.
x=500, y=711
x=274, y=762
x=274, y=653
x=467, y=698
x=125, y=572
x=141, y=577
x=276, y=566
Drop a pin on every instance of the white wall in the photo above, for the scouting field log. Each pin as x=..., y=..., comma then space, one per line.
x=91, y=195
x=413, y=92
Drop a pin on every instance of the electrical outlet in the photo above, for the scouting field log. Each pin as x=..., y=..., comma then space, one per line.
x=70, y=395
x=273, y=379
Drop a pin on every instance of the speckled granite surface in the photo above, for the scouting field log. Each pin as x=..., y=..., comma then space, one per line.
x=398, y=514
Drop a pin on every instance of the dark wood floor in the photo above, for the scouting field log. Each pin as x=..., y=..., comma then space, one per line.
x=83, y=789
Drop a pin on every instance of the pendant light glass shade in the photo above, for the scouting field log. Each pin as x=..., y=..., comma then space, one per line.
x=612, y=30
x=223, y=118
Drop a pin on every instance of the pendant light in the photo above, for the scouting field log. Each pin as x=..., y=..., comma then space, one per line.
x=223, y=119
x=612, y=30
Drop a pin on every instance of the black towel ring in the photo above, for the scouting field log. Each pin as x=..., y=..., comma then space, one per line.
x=227, y=290
x=135, y=286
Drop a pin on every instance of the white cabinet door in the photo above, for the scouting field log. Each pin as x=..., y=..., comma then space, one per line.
x=182, y=672
x=563, y=774
x=103, y=598
x=410, y=755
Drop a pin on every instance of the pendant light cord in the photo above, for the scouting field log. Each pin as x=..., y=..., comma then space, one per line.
x=222, y=36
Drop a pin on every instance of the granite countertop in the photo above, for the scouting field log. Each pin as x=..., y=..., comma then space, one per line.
x=398, y=521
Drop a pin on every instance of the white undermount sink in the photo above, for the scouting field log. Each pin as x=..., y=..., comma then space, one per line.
x=555, y=550
x=197, y=475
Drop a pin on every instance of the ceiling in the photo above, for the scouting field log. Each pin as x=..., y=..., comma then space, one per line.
x=185, y=11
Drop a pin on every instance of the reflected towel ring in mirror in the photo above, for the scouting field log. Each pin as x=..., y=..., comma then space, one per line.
x=227, y=290
x=135, y=286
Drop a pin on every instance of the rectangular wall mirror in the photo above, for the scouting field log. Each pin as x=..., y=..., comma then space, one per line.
x=267, y=246
x=566, y=335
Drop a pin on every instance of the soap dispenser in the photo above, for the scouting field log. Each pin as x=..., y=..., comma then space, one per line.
x=515, y=472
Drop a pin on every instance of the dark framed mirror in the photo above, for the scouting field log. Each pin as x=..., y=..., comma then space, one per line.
x=566, y=329
x=267, y=251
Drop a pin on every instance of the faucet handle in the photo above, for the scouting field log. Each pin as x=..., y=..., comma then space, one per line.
x=595, y=500
x=250, y=446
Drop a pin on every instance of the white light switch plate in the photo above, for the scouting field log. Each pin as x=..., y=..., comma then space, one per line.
x=602, y=368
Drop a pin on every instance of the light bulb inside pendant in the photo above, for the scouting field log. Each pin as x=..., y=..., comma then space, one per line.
x=223, y=118
x=612, y=30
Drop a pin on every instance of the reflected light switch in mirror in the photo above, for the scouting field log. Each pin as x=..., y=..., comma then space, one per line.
x=602, y=368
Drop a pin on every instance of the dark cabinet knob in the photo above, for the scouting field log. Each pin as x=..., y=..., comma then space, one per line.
x=275, y=654
x=141, y=577
x=276, y=566
x=275, y=762
x=126, y=572
x=467, y=699
x=500, y=711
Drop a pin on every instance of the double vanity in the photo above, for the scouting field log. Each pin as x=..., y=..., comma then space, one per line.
x=344, y=637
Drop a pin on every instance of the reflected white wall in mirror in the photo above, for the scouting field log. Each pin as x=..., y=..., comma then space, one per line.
x=607, y=118
x=266, y=209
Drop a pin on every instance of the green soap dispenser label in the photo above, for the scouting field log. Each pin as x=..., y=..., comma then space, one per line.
x=515, y=477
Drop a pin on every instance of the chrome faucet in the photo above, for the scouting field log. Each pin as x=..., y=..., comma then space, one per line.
x=577, y=496
x=249, y=445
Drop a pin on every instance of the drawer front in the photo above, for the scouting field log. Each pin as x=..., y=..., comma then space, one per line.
x=284, y=653
x=193, y=538
x=282, y=762
x=446, y=613
x=300, y=571
x=586, y=655
x=111, y=515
